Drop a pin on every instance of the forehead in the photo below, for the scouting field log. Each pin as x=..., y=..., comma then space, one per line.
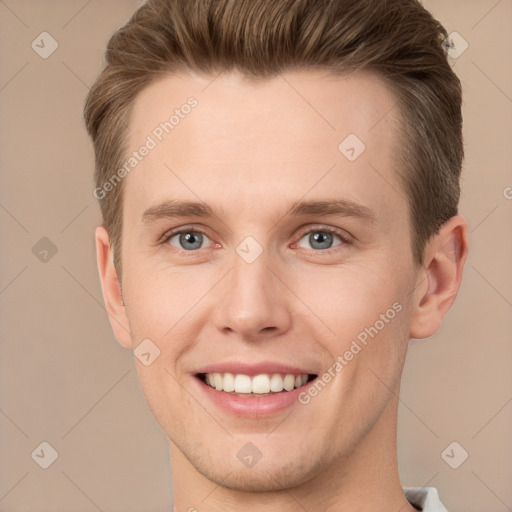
x=232, y=140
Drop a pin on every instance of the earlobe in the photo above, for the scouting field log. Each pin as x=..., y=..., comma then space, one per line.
x=439, y=280
x=112, y=293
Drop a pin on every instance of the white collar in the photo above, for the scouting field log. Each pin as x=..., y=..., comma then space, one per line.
x=425, y=498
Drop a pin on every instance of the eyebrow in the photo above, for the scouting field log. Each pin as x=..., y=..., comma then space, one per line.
x=175, y=209
x=335, y=207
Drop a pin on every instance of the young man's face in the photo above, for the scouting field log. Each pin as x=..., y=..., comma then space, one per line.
x=328, y=286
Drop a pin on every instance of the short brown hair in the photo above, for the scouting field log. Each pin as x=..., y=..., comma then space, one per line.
x=398, y=40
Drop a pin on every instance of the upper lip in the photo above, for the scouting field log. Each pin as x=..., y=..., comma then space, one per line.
x=253, y=369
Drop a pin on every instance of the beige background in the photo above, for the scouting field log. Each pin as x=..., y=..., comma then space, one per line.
x=65, y=380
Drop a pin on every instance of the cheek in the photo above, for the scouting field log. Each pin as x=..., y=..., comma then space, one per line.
x=158, y=304
x=361, y=314
x=158, y=300
x=347, y=299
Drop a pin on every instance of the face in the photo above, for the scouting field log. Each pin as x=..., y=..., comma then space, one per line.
x=261, y=251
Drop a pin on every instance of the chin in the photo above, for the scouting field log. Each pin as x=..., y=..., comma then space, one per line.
x=264, y=476
x=253, y=480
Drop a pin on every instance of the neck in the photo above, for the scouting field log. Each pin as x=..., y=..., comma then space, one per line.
x=364, y=479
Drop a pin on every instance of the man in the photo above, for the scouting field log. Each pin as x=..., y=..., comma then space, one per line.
x=279, y=182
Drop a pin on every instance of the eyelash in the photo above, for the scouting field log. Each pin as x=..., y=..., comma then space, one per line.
x=322, y=229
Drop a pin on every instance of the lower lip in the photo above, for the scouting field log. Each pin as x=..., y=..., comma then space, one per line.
x=252, y=407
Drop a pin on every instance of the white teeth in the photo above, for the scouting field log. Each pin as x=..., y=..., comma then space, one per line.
x=229, y=382
x=276, y=383
x=218, y=381
x=289, y=382
x=242, y=383
x=259, y=384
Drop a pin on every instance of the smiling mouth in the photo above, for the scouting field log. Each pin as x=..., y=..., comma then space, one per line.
x=265, y=384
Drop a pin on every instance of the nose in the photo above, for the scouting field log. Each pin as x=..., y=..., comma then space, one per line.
x=253, y=301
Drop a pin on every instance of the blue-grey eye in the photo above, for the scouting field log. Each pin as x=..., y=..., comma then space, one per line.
x=320, y=240
x=188, y=240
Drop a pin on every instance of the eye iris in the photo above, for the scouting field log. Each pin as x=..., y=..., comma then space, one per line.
x=321, y=237
x=195, y=239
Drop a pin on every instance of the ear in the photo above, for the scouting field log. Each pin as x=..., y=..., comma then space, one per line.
x=112, y=293
x=440, y=277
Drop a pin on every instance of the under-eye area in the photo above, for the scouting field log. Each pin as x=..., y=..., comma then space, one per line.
x=257, y=385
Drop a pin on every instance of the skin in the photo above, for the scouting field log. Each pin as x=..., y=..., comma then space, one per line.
x=249, y=149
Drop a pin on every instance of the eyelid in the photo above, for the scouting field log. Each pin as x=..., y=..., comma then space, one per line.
x=181, y=229
x=164, y=240
x=344, y=236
